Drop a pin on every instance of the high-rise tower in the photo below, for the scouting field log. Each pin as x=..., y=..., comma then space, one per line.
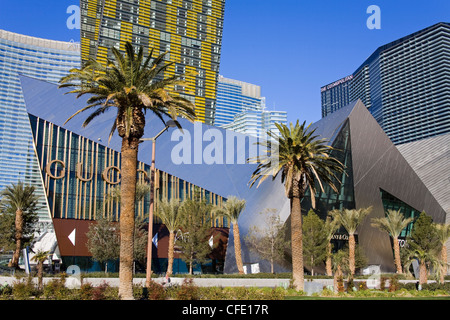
x=41, y=59
x=405, y=85
x=190, y=30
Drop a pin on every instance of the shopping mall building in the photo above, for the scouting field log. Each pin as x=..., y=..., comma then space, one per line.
x=78, y=166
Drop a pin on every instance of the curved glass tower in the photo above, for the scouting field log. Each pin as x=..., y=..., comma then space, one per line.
x=42, y=59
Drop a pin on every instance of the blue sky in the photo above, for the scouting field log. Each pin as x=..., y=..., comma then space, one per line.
x=290, y=48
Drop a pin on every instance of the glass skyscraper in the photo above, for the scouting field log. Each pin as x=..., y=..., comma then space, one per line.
x=241, y=108
x=405, y=85
x=42, y=59
x=190, y=30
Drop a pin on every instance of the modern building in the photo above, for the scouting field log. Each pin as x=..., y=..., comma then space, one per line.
x=43, y=59
x=377, y=174
x=430, y=159
x=335, y=95
x=405, y=85
x=234, y=97
x=257, y=122
x=241, y=108
x=190, y=30
x=78, y=169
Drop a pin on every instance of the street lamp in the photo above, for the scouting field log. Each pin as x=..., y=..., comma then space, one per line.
x=169, y=124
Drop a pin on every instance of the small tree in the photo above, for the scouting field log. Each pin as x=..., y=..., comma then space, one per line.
x=350, y=220
x=103, y=241
x=140, y=241
x=169, y=213
x=314, y=240
x=40, y=258
x=393, y=224
x=443, y=233
x=270, y=242
x=195, y=224
x=231, y=210
x=21, y=200
x=330, y=227
x=423, y=245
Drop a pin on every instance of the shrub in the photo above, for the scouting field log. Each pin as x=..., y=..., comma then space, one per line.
x=155, y=291
x=394, y=284
x=6, y=290
x=24, y=289
x=86, y=291
x=188, y=290
x=105, y=292
x=56, y=289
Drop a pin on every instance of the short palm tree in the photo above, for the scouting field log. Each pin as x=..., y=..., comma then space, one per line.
x=443, y=233
x=231, y=209
x=130, y=86
x=350, y=219
x=40, y=258
x=393, y=224
x=170, y=215
x=330, y=228
x=21, y=199
x=305, y=162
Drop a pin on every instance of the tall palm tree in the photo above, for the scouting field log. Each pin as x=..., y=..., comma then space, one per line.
x=330, y=228
x=21, y=199
x=443, y=233
x=129, y=85
x=40, y=257
x=305, y=162
x=170, y=215
x=350, y=220
x=231, y=210
x=393, y=224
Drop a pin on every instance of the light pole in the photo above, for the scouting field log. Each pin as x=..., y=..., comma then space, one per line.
x=169, y=124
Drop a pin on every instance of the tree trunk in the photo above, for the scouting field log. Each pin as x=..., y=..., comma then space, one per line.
x=170, y=253
x=351, y=253
x=14, y=263
x=40, y=274
x=423, y=278
x=297, y=243
x=444, y=260
x=398, y=262
x=337, y=274
x=328, y=261
x=127, y=214
x=237, y=248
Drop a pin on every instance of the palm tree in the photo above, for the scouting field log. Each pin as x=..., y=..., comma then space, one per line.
x=170, y=215
x=443, y=233
x=129, y=85
x=231, y=210
x=40, y=257
x=305, y=162
x=330, y=228
x=21, y=199
x=350, y=220
x=393, y=224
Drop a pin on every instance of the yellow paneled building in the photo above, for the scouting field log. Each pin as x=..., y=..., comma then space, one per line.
x=189, y=30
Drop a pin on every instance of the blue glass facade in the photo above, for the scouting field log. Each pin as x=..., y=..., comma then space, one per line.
x=405, y=86
x=41, y=59
x=234, y=97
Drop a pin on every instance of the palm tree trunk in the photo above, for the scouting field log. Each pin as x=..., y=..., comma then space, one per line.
x=127, y=213
x=351, y=253
x=40, y=274
x=170, y=253
x=328, y=261
x=398, y=262
x=337, y=274
x=237, y=248
x=444, y=261
x=297, y=243
x=18, y=237
x=423, y=278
